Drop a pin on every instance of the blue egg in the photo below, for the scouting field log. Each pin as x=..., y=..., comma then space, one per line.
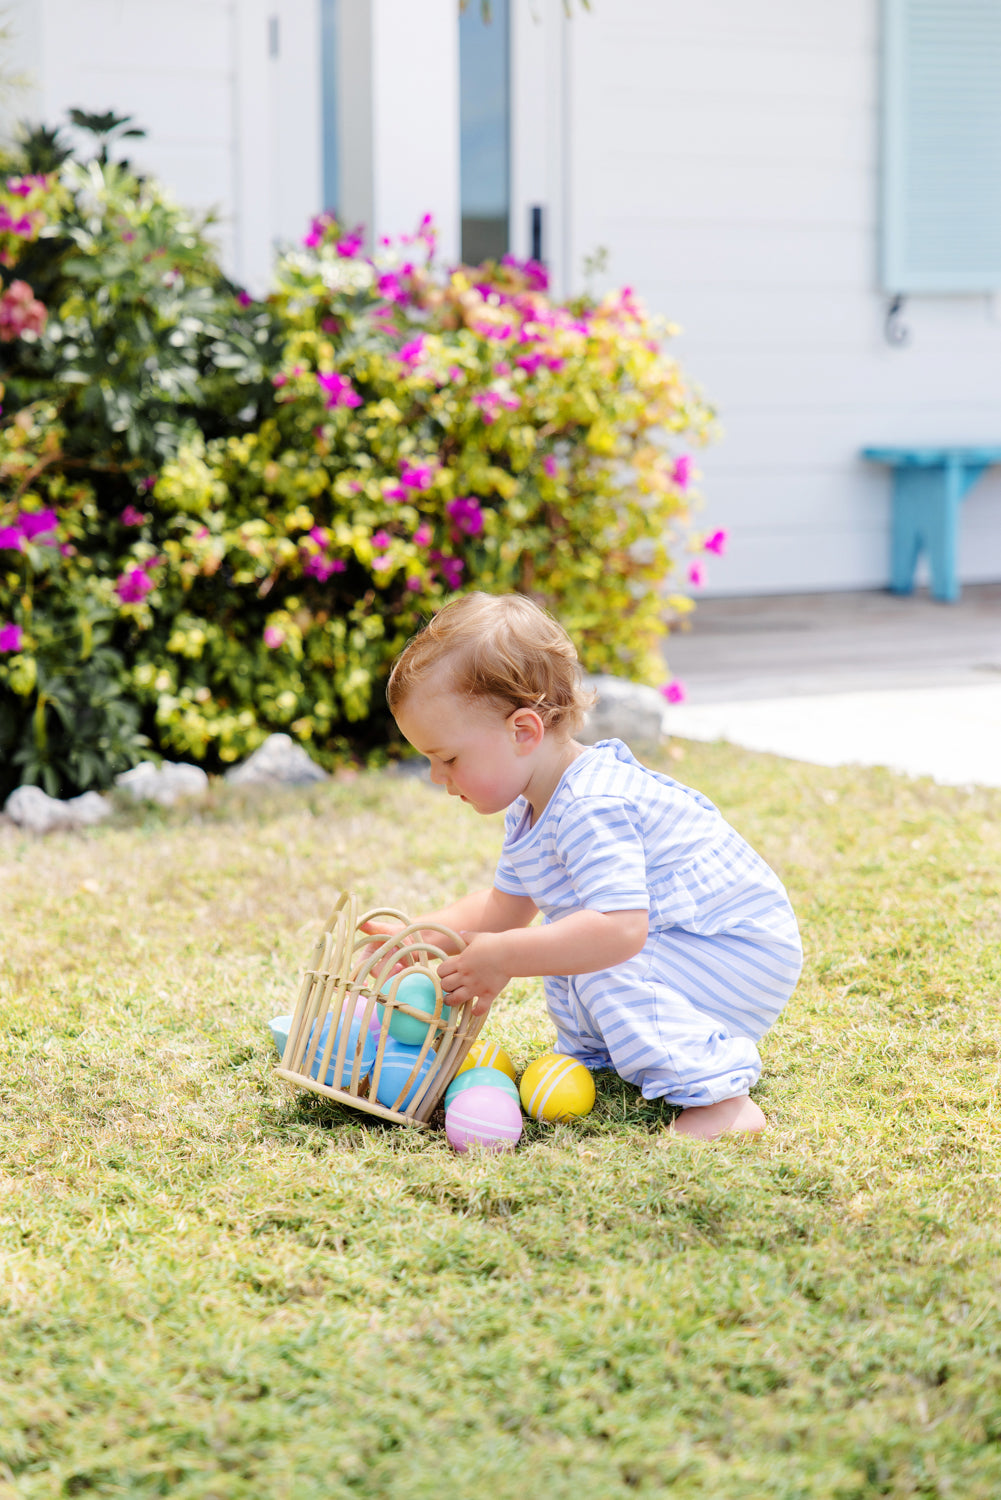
x=397, y=1062
x=368, y=1048
x=417, y=991
x=481, y=1078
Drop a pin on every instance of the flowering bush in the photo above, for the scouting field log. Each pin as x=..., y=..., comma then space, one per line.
x=223, y=517
x=431, y=432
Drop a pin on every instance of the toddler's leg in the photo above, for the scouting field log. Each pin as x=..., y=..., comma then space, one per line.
x=657, y=1039
x=589, y=1050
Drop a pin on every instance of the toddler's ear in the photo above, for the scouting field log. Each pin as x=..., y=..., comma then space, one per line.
x=527, y=728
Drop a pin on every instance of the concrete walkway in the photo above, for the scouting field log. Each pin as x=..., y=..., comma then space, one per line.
x=837, y=679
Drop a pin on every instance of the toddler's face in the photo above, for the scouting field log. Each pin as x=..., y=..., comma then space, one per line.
x=474, y=750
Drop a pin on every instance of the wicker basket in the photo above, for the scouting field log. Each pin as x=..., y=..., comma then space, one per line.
x=345, y=978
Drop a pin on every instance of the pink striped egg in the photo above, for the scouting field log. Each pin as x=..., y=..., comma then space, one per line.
x=483, y=1116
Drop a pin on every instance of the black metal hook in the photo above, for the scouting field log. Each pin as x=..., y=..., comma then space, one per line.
x=895, y=330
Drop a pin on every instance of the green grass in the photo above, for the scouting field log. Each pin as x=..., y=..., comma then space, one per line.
x=210, y=1289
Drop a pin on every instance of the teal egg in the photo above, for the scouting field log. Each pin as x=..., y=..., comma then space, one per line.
x=416, y=990
x=397, y=1061
x=485, y=1077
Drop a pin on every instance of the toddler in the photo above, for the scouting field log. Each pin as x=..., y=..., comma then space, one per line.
x=668, y=947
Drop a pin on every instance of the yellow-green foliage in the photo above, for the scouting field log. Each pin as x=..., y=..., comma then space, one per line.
x=431, y=433
x=250, y=506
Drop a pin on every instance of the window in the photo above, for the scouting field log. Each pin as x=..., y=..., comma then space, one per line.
x=328, y=46
x=941, y=146
x=485, y=94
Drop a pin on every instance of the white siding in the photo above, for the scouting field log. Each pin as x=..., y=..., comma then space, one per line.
x=230, y=128
x=727, y=155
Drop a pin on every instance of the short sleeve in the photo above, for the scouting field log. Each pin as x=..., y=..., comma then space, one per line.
x=600, y=844
x=506, y=877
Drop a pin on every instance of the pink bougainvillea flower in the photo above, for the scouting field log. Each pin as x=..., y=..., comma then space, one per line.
x=696, y=575
x=67, y=550
x=349, y=246
x=381, y=564
x=330, y=325
x=340, y=391
x=466, y=514
x=423, y=535
x=414, y=584
x=319, y=536
x=319, y=566
x=244, y=299
x=393, y=492
x=280, y=379
x=716, y=543
x=390, y=288
x=416, y=476
x=274, y=637
x=456, y=372
x=11, y=539
x=682, y=471
x=381, y=539
x=148, y=482
x=131, y=516
x=37, y=523
x=451, y=568
x=11, y=637
x=317, y=228
x=20, y=312
x=412, y=353
x=23, y=227
x=491, y=403
x=550, y=465
x=530, y=363
x=674, y=691
x=19, y=185
x=134, y=584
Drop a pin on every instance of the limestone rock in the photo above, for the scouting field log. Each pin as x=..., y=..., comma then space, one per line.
x=626, y=711
x=36, y=812
x=165, y=784
x=279, y=761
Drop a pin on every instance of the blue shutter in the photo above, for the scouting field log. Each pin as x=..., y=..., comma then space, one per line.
x=941, y=146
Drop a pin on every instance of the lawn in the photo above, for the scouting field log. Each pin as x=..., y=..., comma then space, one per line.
x=213, y=1289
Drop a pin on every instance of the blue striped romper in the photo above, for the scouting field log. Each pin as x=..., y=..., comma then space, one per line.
x=723, y=954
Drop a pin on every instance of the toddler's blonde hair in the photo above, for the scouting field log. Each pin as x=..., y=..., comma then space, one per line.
x=500, y=647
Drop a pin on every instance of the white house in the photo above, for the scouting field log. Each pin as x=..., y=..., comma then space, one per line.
x=770, y=174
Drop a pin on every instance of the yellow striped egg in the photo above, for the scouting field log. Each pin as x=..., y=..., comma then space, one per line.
x=488, y=1055
x=555, y=1087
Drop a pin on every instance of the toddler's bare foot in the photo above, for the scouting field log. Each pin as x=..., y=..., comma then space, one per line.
x=728, y=1117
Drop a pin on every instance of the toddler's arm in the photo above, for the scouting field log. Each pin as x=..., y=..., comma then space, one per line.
x=581, y=943
x=489, y=910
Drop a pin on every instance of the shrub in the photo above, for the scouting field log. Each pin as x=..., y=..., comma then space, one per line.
x=258, y=503
x=430, y=432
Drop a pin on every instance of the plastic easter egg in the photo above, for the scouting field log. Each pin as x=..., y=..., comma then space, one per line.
x=483, y=1116
x=356, y=1038
x=374, y=1020
x=488, y=1055
x=280, y=1027
x=491, y=1078
x=556, y=1087
x=417, y=991
x=397, y=1064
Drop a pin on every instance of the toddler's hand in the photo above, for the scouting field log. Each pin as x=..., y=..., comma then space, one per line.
x=380, y=931
x=478, y=972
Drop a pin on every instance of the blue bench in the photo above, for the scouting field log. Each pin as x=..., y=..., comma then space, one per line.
x=928, y=485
